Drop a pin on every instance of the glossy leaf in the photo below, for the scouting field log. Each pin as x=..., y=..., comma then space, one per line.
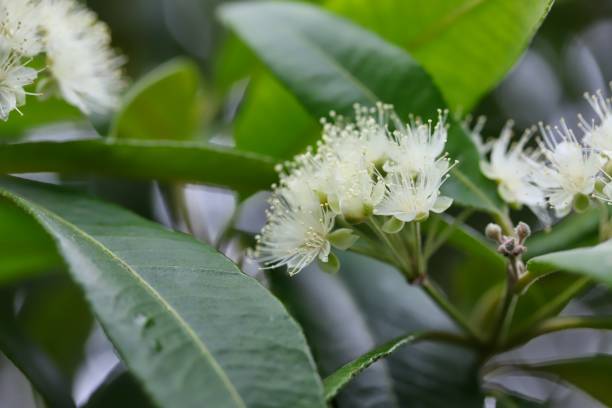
x=487, y=37
x=593, y=262
x=38, y=113
x=143, y=159
x=180, y=314
x=347, y=372
x=575, y=230
x=330, y=64
x=36, y=365
x=119, y=390
x=164, y=104
x=590, y=374
x=26, y=250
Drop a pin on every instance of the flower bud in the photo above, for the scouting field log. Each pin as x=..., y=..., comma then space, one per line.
x=494, y=232
x=522, y=231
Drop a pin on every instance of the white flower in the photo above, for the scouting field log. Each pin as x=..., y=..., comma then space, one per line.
x=367, y=137
x=508, y=166
x=357, y=189
x=410, y=198
x=86, y=70
x=294, y=237
x=418, y=146
x=598, y=136
x=13, y=78
x=19, y=27
x=566, y=169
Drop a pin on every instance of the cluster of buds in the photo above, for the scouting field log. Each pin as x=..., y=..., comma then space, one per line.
x=512, y=247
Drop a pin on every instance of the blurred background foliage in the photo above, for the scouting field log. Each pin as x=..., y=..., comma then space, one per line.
x=238, y=100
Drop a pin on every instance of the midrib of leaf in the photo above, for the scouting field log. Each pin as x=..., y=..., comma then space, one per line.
x=429, y=33
x=30, y=207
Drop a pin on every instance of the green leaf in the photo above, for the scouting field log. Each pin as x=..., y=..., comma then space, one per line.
x=573, y=231
x=119, y=390
x=485, y=37
x=143, y=159
x=26, y=250
x=347, y=372
x=43, y=315
x=170, y=304
x=165, y=104
x=38, y=113
x=42, y=373
x=287, y=134
x=330, y=64
x=590, y=374
x=593, y=262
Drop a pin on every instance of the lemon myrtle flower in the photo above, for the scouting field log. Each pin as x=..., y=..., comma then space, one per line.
x=564, y=169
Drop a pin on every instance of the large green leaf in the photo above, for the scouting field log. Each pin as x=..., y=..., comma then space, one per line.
x=26, y=250
x=48, y=381
x=119, y=390
x=590, y=374
x=43, y=315
x=164, y=104
x=287, y=134
x=593, y=262
x=186, y=321
x=38, y=113
x=575, y=230
x=466, y=45
x=330, y=64
x=143, y=159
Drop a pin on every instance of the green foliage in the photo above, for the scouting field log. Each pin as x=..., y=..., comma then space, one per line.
x=159, y=295
x=589, y=374
x=467, y=46
x=167, y=103
x=347, y=372
x=143, y=159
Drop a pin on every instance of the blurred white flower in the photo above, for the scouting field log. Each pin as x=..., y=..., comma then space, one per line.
x=20, y=27
x=507, y=165
x=13, y=78
x=409, y=198
x=294, y=237
x=85, y=69
x=598, y=135
x=564, y=169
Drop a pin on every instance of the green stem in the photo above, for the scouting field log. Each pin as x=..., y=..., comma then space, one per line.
x=503, y=220
x=421, y=266
x=604, y=222
x=450, y=310
x=401, y=259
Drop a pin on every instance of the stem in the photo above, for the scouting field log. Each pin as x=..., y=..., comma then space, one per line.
x=604, y=222
x=504, y=221
x=421, y=266
x=401, y=260
x=450, y=310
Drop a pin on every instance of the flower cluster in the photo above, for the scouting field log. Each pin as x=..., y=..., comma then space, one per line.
x=562, y=171
x=79, y=63
x=372, y=167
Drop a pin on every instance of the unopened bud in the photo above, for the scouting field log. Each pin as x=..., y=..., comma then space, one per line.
x=522, y=231
x=494, y=232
